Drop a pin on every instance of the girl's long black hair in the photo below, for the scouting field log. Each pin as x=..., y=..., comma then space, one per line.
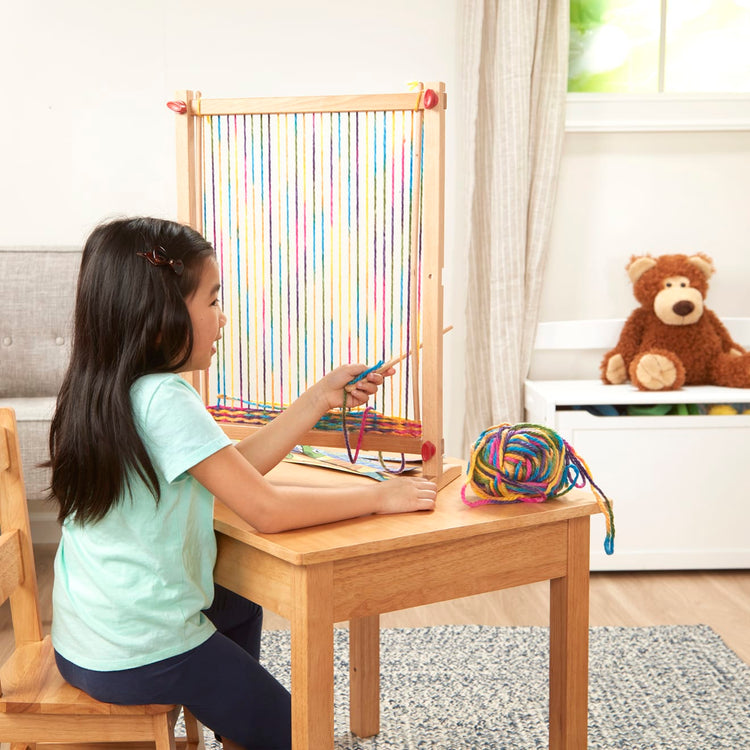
x=130, y=320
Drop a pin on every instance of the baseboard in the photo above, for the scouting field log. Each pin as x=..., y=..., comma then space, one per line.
x=671, y=559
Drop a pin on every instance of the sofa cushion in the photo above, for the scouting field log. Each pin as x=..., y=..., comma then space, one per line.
x=37, y=295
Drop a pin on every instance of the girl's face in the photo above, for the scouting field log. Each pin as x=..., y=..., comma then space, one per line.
x=206, y=317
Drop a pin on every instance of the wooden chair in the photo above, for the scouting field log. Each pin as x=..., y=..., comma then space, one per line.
x=36, y=705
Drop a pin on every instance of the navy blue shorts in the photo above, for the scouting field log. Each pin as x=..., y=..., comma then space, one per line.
x=221, y=681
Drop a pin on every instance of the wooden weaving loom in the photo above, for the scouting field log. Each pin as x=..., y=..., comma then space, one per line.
x=326, y=214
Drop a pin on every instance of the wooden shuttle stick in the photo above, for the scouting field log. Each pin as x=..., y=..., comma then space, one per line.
x=391, y=363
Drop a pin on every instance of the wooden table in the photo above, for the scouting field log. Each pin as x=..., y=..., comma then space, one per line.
x=355, y=570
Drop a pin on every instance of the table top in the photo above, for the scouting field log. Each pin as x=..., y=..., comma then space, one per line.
x=451, y=520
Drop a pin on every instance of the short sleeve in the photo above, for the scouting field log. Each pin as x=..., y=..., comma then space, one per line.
x=175, y=426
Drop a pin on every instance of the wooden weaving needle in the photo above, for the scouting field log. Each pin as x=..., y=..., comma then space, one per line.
x=390, y=363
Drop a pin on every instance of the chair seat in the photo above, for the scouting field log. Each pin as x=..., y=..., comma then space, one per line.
x=32, y=684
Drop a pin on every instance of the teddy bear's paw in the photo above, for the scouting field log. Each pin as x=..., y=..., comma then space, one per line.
x=615, y=371
x=731, y=370
x=656, y=372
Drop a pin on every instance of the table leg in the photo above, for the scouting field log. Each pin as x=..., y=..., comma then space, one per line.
x=364, y=676
x=312, y=658
x=569, y=631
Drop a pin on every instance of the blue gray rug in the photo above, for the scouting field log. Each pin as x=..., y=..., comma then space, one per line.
x=475, y=688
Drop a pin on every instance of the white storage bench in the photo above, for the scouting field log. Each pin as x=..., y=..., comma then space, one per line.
x=679, y=484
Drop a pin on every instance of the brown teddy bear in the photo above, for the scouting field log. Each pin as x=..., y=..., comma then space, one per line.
x=672, y=339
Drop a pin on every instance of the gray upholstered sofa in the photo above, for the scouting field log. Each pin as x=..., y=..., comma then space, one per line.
x=37, y=293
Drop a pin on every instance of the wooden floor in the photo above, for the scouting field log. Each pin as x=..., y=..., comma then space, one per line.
x=720, y=599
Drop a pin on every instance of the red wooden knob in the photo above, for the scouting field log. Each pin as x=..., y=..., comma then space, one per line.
x=428, y=450
x=430, y=99
x=179, y=107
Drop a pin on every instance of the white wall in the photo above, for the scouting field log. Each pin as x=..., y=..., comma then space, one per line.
x=623, y=194
x=85, y=84
x=632, y=193
x=85, y=135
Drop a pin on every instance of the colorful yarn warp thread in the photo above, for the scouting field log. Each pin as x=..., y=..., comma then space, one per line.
x=529, y=463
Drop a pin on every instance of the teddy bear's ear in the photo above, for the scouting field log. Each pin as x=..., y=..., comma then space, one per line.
x=638, y=265
x=703, y=263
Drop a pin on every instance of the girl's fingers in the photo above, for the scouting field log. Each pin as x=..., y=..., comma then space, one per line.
x=371, y=382
x=426, y=492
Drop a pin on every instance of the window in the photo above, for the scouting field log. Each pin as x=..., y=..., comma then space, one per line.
x=650, y=65
x=655, y=46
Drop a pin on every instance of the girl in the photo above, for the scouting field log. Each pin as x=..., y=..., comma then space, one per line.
x=136, y=461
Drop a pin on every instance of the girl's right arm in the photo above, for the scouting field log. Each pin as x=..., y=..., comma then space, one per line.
x=269, y=508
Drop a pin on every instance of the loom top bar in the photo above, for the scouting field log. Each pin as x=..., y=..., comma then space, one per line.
x=311, y=104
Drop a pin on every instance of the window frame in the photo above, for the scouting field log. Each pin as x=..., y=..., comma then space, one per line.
x=617, y=113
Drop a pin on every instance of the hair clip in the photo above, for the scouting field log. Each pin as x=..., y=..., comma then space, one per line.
x=158, y=257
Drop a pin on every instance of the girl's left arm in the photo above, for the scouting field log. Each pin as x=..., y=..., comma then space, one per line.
x=269, y=445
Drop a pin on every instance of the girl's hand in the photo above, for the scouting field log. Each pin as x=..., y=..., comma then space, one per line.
x=266, y=447
x=405, y=494
x=331, y=387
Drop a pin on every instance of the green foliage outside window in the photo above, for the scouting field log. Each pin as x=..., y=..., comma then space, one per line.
x=626, y=46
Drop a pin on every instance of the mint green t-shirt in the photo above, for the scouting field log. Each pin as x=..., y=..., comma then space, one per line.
x=129, y=589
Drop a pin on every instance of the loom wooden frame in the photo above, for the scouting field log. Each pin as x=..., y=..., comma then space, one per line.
x=428, y=364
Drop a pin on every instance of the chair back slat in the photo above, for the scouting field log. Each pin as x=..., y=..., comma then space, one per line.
x=11, y=569
x=4, y=455
x=14, y=516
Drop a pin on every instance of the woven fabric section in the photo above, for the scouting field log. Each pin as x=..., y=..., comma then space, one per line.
x=378, y=424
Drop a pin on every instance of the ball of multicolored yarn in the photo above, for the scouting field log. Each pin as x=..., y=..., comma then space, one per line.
x=518, y=463
x=528, y=463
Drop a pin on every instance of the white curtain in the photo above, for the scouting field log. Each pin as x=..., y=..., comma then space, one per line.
x=514, y=55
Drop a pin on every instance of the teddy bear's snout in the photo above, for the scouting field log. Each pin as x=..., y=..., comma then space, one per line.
x=683, y=307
